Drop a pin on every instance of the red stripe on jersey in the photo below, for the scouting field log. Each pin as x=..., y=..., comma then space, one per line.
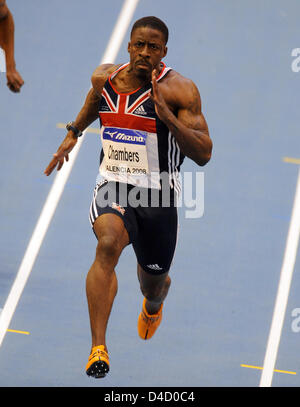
x=138, y=102
x=122, y=104
x=128, y=121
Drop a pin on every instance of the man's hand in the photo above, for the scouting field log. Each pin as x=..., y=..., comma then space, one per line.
x=62, y=153
x=87, y=115
x=161, y=107
x=188, y=126
x=14, y=80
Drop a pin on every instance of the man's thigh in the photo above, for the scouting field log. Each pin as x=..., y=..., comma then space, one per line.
x=108, y=199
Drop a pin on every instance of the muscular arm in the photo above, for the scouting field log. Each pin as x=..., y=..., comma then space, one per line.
x=100, y=76
x=89, y=111
x=14, y=79
x=87, y=115
x=188, y=126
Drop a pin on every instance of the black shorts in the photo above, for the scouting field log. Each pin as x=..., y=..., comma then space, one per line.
x=152, y=229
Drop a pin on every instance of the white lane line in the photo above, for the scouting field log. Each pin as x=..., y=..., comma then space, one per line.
x=283, y=291
x=58, y=185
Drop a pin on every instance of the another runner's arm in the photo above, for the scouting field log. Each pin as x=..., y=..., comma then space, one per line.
x=189, y=126
x=3, y=9
x=7, y=28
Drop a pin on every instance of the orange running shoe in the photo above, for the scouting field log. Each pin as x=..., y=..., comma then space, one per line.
x=98, y=364
x=148, y=323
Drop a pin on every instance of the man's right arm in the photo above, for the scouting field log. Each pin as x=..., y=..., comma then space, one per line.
x=90, y=110
x=87, y=115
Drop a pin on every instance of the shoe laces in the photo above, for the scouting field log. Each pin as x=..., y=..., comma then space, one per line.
x=100, y=353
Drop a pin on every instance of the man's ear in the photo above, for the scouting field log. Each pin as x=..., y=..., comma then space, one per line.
x=165, y=51
x=128, y=46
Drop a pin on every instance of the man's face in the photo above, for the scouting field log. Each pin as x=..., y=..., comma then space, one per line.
x=146, y=48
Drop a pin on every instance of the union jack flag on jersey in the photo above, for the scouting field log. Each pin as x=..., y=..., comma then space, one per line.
x=136, y=145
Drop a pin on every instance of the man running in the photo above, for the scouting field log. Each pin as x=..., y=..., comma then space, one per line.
x=150, y=120
x=7, y=28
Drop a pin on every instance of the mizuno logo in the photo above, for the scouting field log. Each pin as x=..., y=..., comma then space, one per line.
x=125, y=137
x=111, y=133
x=154, y=267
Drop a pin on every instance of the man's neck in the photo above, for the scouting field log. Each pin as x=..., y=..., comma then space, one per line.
x=127, y=80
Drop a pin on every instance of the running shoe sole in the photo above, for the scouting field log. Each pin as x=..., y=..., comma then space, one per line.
x=98, y=364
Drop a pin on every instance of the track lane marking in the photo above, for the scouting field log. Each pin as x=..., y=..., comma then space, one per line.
x=283, y=290
x=275, y=370
x=18, y=332
x=291, y=160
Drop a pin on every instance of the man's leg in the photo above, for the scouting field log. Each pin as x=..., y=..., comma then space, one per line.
x=154, y=288
x=101, y=281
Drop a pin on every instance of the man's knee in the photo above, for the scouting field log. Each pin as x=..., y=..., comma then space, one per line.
x=108, y=247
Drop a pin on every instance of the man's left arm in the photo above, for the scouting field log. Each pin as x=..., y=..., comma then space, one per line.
x=189, y=126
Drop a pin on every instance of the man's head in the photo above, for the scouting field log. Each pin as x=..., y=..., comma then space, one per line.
x=152, y=22
x=147, y=46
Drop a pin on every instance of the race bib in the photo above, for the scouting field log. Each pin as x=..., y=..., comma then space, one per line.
x=124, y=151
